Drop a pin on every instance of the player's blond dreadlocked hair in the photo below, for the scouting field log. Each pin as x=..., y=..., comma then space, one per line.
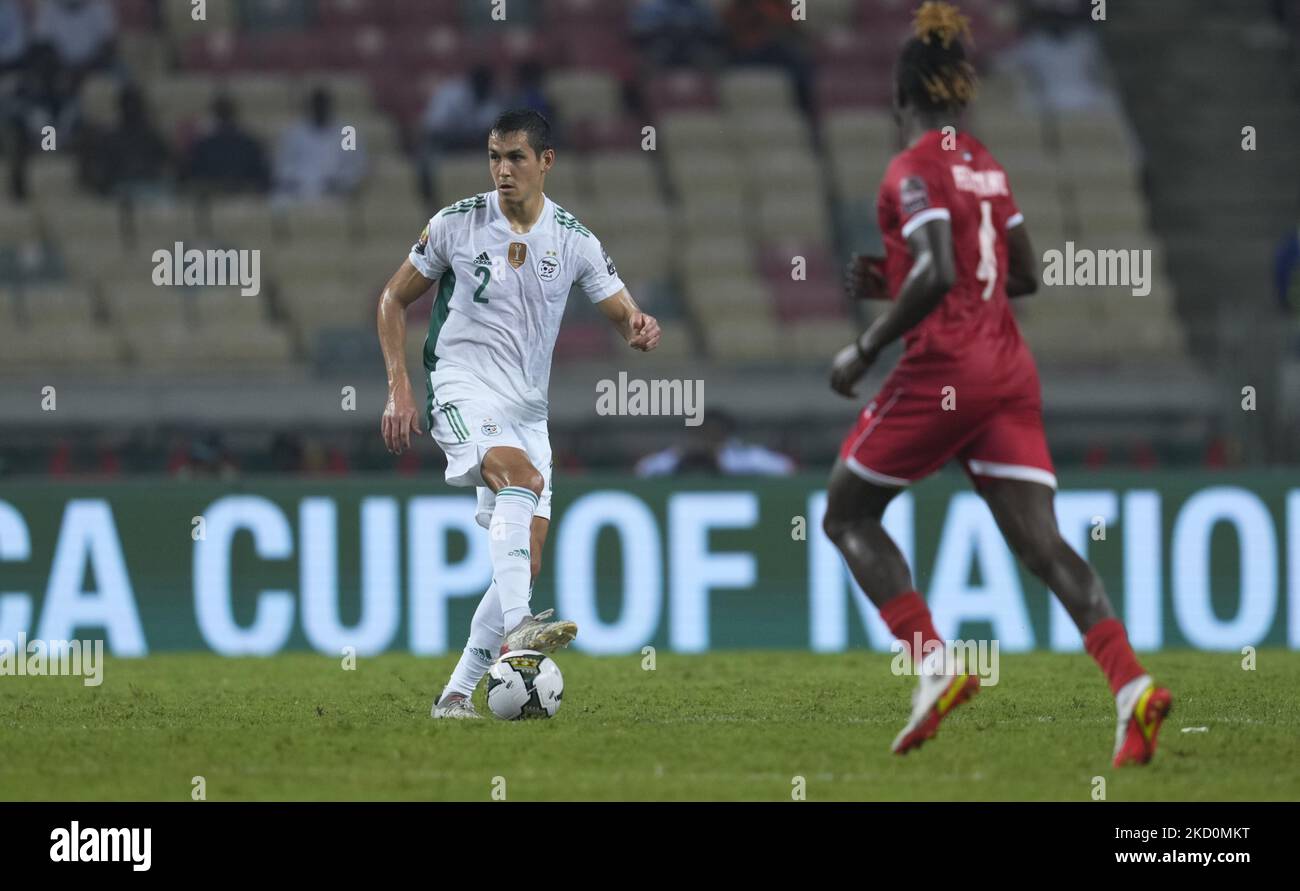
x=933, y=72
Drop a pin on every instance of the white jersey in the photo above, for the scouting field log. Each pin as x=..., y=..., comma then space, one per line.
x=501, y=294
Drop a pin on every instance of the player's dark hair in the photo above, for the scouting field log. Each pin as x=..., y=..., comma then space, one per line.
x=933, y=73
x=525, y=120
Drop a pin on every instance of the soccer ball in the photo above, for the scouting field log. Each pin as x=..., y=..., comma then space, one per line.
x=524, y=684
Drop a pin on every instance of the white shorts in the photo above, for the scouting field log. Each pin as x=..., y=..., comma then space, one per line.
x=467, y=419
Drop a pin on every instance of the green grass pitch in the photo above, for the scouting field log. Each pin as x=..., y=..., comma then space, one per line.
x=728, y=725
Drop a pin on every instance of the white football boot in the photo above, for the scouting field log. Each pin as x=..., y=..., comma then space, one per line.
x=537, y=633
x=456, y=707
x=935, y=696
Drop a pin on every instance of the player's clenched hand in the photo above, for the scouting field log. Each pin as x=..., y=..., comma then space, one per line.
x=864, y=279
x=645, y=332
x=400, y=420
x=847, y=369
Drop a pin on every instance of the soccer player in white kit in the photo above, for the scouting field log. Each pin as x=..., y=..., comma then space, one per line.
x=504, y=262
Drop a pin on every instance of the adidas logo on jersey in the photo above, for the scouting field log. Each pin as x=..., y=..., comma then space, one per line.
x=483, y=260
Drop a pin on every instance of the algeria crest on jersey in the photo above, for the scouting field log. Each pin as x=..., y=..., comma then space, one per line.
x=548, y=268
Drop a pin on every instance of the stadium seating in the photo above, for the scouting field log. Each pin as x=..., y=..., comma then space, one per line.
x=740, y=181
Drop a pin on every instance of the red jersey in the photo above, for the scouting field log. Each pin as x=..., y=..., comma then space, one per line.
x=972, y=331
x=966, y=387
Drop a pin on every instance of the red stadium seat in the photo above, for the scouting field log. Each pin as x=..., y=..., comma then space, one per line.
x=431, y=49
x=408, y=13
x=1143, y=456
x=391, y=15
x=510, y=46
x=861, y=88
x=583, y=340
x=135, y=15
x=409, y=463
x=598, y=134
x=278, y=52
x=400, y=92
x=613, y=13
x=841, y=48
x=353, y=48
x=810, y=299
x=680, y=90
x=218, y=51
x=337, y=462
x=351, y=13
x=888, y=23
x=108, y=461
x=893, y=16
x=60, y=462
x=595, y=47
x=775, y=261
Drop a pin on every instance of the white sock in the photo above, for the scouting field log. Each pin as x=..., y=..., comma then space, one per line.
x=509, y=537
x=473, y=664
x=485, y=638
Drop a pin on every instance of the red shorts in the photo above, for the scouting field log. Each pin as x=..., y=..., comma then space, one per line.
x=906, y=433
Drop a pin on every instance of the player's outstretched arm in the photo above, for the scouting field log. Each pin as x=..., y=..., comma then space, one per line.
x=401, y=419
x=933, y=273
x=1022, y=265
x=639, y=329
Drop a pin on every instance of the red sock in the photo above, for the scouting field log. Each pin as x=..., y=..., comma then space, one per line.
x=1107, y=643
x=907, y=616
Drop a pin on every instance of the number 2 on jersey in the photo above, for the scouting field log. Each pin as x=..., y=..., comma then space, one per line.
x=487, y=277
x=988, y=267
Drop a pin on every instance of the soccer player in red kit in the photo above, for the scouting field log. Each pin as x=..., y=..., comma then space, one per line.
x=966, y=388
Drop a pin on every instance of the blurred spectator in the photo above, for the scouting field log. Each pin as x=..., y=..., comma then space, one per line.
x=1060, y=57
x=763, y=32
x=461, y=110
x=13, y=35
x=44, y=96
x=1223, y=450
x=1096, y=457
x=1285, y=262
x=675, y=32
x=530, y=90
x=132, y=158
x=60, y=462
x=1143, y=456
x=311, y=161
x=227, y=159
x=315, y=457
x=206, y=457
x=287, y=453
x=276, y=15
x=108, y=461
x=1279, y=32
x=459, y=114
x=82, y=32
x=714, y=450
